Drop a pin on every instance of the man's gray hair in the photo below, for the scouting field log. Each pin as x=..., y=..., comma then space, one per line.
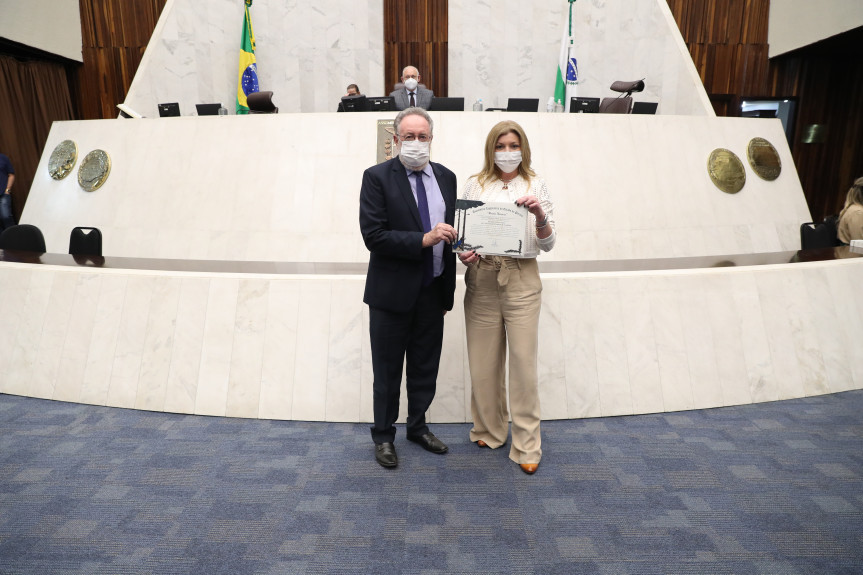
x=415, y=111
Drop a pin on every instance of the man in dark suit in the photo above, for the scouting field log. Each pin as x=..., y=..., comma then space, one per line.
x=411, y=92
x=407, y=208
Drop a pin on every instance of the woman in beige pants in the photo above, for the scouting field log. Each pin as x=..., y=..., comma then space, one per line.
x=503, y=300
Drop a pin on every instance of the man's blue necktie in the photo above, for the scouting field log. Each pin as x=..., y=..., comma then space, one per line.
x=423, y=205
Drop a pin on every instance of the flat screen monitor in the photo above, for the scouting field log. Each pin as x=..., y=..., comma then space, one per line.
x=644, y=107
x=446, y=104
x=208, y=109
x=584, y=105
x=522, y=105
x=355, y=103
x=382, y=104
x=169, y=110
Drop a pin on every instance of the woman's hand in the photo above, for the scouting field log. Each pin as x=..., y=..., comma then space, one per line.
x=533, y=205
x=468, y=258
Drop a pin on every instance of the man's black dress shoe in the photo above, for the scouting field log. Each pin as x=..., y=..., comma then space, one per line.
x=385, y=454
x=429, y=442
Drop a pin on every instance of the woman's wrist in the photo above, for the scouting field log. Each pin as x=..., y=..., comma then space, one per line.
x=542, y=223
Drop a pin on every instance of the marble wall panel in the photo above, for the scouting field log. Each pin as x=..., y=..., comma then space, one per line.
x=103, y=340
x=217, y=348
x=280, y=344
x=73, y=357
x=53, y=334
x=158, y=344
x=15, y=281
x=247, y=354
x=188, y=341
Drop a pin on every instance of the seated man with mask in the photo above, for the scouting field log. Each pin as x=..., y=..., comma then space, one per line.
x=412, y=93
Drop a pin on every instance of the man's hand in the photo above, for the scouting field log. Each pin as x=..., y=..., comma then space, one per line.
x=440, y=233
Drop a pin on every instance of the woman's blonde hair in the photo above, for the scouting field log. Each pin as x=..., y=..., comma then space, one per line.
x=489, y=170
x=854, y=195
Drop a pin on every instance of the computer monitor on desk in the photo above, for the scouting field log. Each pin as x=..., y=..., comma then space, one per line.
x=354, y=103
x=439, y=104
x=584, y=105
x=522, y=105
x=169, y=110
x=208, y=109
x=382, y=104
x=644, y=107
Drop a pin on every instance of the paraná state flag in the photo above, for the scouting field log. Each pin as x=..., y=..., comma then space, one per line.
x=567, y=67
x=248, y=76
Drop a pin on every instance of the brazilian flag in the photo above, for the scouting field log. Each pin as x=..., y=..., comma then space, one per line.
x=248, y=77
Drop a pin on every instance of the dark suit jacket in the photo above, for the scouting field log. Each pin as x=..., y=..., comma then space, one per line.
x=393, y=233
x=423, y=97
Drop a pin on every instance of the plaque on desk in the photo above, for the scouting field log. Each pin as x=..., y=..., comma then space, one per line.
x=490, y=228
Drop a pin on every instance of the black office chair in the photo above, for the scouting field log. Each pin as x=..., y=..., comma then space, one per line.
x=621, y=104
x=24, y=237
x=85, y=242
x=261, y=103
x=815, y=236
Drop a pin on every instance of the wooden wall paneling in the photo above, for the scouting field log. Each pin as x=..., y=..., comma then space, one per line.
x=415, y=33
x=114, y=34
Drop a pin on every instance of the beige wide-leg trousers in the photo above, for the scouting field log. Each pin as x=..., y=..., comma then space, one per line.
x=502, y=306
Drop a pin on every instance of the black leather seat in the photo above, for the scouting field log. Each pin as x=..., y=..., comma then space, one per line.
x=621, y=104
x=261, y=103
x=24, y=237
x=85, y=242
x=823, y=235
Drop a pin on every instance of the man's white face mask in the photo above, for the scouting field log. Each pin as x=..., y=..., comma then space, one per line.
x=411, y=84
x=414, y=155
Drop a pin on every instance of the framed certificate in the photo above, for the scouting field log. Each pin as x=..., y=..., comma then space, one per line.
x=490, y=228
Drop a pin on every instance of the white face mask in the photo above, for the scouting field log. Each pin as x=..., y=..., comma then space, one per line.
x=507, y=161
x=411, y=84
x=414, y=155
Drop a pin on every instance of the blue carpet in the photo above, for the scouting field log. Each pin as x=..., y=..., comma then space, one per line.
x=766, y=489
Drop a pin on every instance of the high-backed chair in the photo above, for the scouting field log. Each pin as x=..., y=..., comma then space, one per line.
x=24, y=237
x=85, y=242
x=621, y=104
x=815, y=236
x=261, y=103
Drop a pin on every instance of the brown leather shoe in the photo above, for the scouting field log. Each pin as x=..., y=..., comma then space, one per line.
x=529, y=468
x=481, y=443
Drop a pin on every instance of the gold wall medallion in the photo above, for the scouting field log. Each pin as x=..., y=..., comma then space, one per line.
x=726, y=170
x=94, y=170
x=63, y=159
x=764, y=159
x=386, y=146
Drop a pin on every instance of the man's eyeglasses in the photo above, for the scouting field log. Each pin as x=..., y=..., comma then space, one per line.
x=413, y=137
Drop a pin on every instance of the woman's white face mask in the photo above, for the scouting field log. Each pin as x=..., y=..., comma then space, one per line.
x=508, y=162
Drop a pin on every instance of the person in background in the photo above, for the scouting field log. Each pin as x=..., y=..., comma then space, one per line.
x=851, y=216
x=7, y=179
x=503, y=300
x=412, y=94
x=407, y=209
x=352, y=90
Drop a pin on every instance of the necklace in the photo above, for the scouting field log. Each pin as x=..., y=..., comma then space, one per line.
x=507, y=182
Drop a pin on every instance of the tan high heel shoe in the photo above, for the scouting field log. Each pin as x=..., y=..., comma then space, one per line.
x=481, y=443
x=529, y=468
